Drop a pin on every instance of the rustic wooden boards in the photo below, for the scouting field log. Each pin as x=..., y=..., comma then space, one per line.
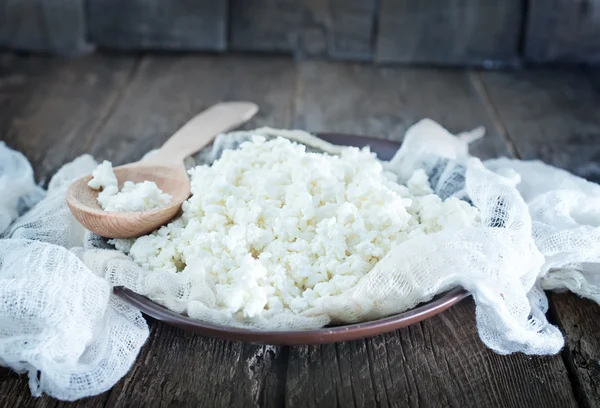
x=134, y=105
x=183, y=369
x=384, y=102
x=50, y=108
x=155, y=24
x=578, y=317
x=563, y=31
x=166, y=92
x=551, y=115
x=554, y=116
x=439, y=362
x=461, y=32
x=336, y=28
x=56, y=26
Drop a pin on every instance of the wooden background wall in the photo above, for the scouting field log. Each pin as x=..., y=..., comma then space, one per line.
x=451, y=32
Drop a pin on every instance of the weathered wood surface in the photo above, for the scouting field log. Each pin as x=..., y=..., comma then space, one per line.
x=554, y=116
x=384, y=102
x=56, y=26
x=462, y=32
x=133, y=106
x=49, y=108
x=156, y=24
x=577, y=318
x=338, y=28
x=440, y=362
x=475, y=32
x=166, y=92
x=563, y=31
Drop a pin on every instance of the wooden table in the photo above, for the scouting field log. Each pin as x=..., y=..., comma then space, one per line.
x=117, y=107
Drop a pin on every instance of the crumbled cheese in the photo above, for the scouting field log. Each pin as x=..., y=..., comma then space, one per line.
x=270, y=227
x=132, y=197
x=103, y=176
x=122, y=244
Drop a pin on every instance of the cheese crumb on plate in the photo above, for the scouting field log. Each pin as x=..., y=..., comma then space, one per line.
x=272, y=228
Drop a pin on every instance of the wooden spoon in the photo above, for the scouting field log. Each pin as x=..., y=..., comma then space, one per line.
x=165, y=168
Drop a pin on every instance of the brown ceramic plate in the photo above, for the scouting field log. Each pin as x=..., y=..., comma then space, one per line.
x=385, y=150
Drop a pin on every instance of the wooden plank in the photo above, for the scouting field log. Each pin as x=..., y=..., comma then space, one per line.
x=441, y=361
x=578, y=318
x=553, y=116
x=51, y=108
x=179, y=368
x=383, y=102
x=176, y=367
x=168, y=91
x=14, y=392
x=156, y=24
x=472, y=32
x=550, y=115
x=337, y=28
x=563, y=31
x=56, y=26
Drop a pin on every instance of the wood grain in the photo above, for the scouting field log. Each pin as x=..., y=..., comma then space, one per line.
x=383, y=102
x=56, y=26
x=169, y=90
x=14, y=392
x=155, y=24
x=553, y=116
x=51, y=108
x=178, y=368
x=462, y=32
x=576, y=317
x=438, y=362
x=337, y=28
x=563, y=31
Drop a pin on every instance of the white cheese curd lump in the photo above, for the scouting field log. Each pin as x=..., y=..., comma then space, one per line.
x=131, y=198
x=272, y=228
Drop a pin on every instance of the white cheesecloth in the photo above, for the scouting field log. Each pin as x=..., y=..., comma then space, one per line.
x=60, y=323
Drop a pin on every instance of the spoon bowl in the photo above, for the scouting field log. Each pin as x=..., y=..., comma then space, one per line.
x=83, y=201
x=165, y=168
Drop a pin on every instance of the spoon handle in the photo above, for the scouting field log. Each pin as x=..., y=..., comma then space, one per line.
x=202, y=129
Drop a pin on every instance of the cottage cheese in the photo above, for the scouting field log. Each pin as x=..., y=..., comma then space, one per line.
x=271, y=228
x=132, y=197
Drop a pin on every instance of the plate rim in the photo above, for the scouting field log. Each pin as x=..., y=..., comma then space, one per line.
x=324, y=335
